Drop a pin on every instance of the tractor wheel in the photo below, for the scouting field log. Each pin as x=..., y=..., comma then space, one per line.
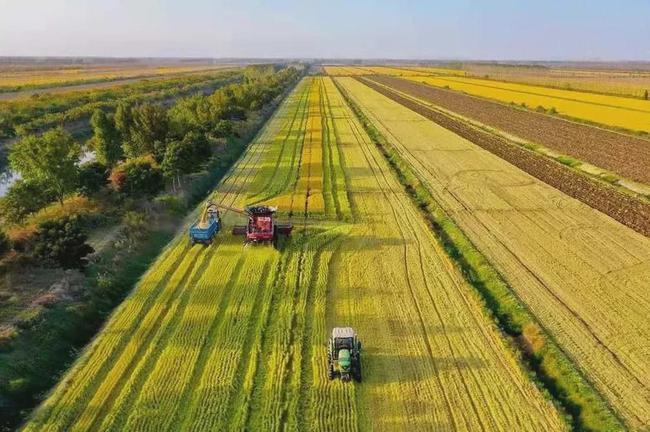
x=357, y=372
x=330, y=371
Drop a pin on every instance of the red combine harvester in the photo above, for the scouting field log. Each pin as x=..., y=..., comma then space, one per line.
x=261, y=227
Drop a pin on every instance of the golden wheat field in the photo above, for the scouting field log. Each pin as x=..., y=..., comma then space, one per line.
x=583, y=275
x=616, y=82
x=391, y=70
x=233, y=337
x=41, y=77
x=622, y=112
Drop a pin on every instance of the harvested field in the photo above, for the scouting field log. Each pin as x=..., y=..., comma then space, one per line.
x=631, y=83
x=582, y=274
x=623, y=154
x=621, y=112
x=391, y=71
x=345, y=70
x=233, y=337
x=15, y=78
x=99, y=85
x=630, y=211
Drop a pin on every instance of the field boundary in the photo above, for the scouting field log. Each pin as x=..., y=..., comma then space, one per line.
x=551, y=369
x=626, y=209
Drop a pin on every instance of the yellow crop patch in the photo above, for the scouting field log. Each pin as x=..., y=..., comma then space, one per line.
x=609, y=110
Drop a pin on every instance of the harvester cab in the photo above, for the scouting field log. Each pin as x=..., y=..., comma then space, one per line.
x=261, y=227
x=208, y=225
x=344, y=355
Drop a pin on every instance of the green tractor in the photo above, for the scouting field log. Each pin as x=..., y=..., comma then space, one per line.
x=344, y=355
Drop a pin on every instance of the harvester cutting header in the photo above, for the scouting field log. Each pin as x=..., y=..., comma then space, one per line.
x=261, y=226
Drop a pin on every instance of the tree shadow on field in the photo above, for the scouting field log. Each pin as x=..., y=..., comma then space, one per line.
x=384, y=367
x=357, y=243
x=359, y=173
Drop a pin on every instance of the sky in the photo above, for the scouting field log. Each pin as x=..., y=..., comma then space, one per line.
x=462, y=29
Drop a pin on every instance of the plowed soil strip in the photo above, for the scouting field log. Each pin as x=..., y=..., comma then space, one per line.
x=626, y=209
x=627, y=155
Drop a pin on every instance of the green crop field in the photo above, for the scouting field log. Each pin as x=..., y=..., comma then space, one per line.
x=234, y=337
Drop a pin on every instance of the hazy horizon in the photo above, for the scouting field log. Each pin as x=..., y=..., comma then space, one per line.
x=501, y=30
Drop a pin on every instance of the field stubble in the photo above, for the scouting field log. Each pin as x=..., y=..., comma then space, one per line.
x=583, y=275
x=234, y=337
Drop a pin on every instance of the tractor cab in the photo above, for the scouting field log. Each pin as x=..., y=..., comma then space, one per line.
x=344, y=355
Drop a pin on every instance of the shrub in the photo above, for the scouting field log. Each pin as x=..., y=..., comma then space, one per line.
x=136, y=225
x=223, y=129
x=61, y=242
x=24, y=198
x=171, y=204
x=137, y=177
x=93, y=176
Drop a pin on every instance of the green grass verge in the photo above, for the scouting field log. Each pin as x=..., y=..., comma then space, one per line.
x=553, y=370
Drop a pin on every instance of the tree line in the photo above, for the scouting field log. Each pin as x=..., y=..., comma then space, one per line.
x=138, y=149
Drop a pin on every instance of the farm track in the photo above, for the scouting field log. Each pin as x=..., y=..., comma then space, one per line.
x=624, y=154
x=582, y=274
x=238, y=339
x=629, y=210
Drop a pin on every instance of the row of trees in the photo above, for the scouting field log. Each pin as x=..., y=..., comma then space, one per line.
x=138, y=148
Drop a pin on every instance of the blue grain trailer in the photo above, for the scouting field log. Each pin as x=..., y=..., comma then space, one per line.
x=207, y=227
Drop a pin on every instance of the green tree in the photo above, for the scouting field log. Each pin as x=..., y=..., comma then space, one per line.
x=61, y=242
x=23, y=198
x=223, y=129
x=124, y=120
x=185, y=156
x=49, y=159
x=191, y=113
x=137, y=177
x=106, y=139
x=150, y=124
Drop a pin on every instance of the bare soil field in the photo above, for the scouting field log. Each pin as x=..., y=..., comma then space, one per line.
x=626, y=209
x=583, y=275
x=627, y=155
